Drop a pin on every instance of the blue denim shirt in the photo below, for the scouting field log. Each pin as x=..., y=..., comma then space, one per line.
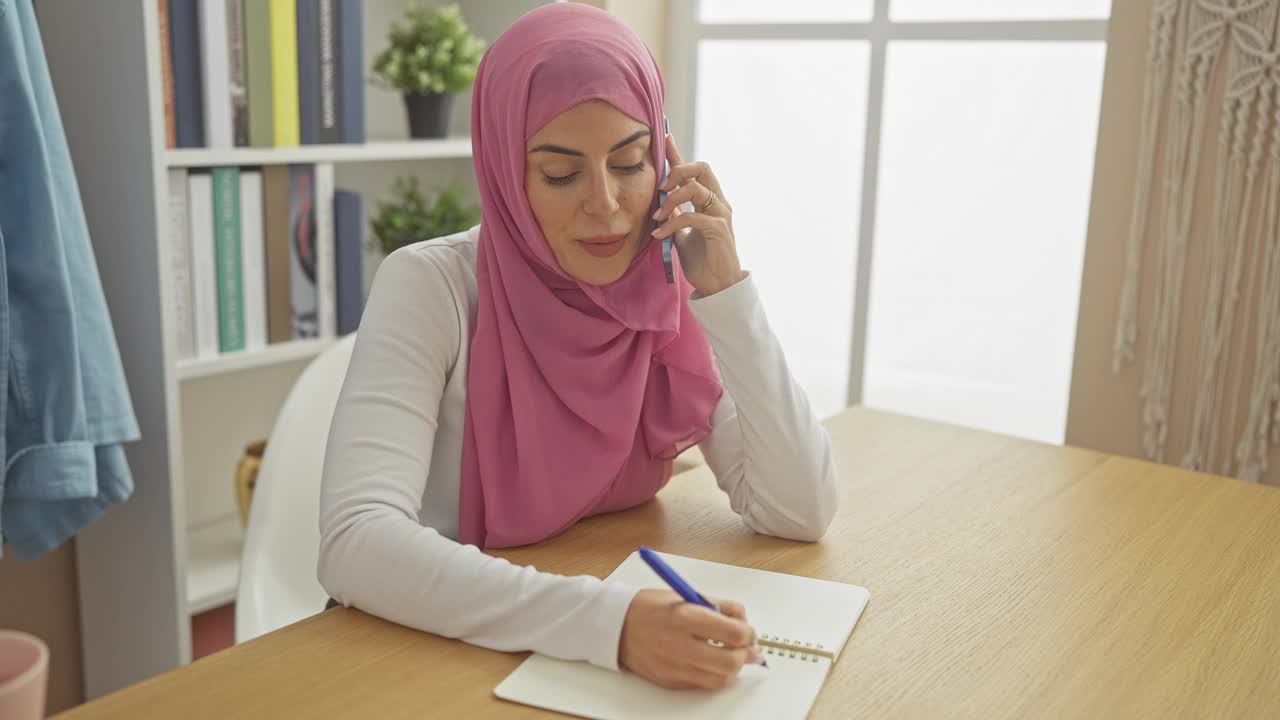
x=65, y=408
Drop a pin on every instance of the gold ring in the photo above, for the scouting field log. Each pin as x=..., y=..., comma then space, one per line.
x=710, y=201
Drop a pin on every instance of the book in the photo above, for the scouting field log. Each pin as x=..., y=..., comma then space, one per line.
x=238, y=81
x=348, y=219
x=204, y=286
x=308, y=72
x=327, y=37
x=326, y=292
x=166, y=79
x=216, y=68
x=257, y=58
x=184, y=55
x=184, y=338
x=275, y=215
x=303, y=293
x=803, y=623
x=226, y=231
x=284, y=72
x=253, y=260
x=350, y=91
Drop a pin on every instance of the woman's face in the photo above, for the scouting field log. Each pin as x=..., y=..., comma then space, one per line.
x=590, y=180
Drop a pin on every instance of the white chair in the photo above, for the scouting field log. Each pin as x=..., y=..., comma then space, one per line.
x=278, y=583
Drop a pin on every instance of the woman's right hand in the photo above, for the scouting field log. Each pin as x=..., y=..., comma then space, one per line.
x=665, y=640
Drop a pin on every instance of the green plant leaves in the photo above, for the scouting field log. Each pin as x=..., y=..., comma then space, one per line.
x=409, y=218
x=431, y=51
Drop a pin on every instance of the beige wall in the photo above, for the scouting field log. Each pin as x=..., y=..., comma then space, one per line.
x=40, y=597
x=1105, y=409
x=647, y=17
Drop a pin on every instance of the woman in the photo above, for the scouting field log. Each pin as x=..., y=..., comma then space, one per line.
x=510, y=380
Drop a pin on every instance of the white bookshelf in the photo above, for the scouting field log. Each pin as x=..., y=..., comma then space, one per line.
x=458, y=147
x=173, y=550
x=213, y=559
x=251, y=359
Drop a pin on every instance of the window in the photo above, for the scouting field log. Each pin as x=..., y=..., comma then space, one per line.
x=792, y=11
x=800, y=223
x=942, y=151
x=999, y=10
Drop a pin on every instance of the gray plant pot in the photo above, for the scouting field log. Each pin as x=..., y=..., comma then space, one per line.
x=429, y=114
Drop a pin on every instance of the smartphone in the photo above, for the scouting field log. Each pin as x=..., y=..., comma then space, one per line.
x=662, y=197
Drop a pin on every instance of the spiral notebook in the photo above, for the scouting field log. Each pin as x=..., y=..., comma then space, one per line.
x=803, y=625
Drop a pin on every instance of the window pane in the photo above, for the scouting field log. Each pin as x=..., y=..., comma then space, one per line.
x=986, y=165
x=786, y=144
x=999, y=9
x=772, y=11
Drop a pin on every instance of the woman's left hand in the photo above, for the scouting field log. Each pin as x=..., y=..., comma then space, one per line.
x=704, y=238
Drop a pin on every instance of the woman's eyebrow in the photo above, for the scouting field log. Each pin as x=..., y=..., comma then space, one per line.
x=578, y=153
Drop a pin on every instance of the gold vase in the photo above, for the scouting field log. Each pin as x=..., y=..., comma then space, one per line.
x=247, y=476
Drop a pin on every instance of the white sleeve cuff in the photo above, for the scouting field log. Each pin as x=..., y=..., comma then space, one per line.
x=730, y=305
x=603, y=630
x=736, y=325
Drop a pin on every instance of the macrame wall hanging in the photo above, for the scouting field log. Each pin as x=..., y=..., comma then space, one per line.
x=1191, y=43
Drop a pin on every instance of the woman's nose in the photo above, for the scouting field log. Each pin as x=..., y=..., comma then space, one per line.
x=602, y=196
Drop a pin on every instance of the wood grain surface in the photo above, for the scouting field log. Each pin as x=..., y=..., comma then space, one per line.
x=1008, y=579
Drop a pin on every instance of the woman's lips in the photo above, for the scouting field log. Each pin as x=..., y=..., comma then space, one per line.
x=604, y=246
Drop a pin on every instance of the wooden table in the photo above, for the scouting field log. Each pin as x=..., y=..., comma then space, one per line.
x=1008, y=579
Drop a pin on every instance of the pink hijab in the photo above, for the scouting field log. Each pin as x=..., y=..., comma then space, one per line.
x=578, y=396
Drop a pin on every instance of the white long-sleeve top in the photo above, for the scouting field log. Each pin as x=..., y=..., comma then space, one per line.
x=389, y=501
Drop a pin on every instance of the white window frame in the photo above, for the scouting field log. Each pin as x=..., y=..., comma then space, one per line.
x=685, y=30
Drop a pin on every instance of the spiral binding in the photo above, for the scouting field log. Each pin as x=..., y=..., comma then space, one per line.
x=803, y=651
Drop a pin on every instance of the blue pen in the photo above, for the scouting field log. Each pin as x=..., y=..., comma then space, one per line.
x=677, y=583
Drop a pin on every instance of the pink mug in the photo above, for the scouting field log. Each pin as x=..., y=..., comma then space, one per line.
x=24, y=668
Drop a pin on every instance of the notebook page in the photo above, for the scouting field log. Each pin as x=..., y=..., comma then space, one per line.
x=797, y=608
x=793, y=607
x=787, y=689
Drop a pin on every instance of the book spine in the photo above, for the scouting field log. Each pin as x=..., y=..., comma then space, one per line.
x=252, y=255
x=351, y=61
x=302, y=251
x=308, y=72
x=217, y=74
x=180, y=266
x=275, y=213
x=347, y=221
x=184, y=53
x=284, y=72
x=204, y=291
x=226, y=228
x=257, y=36
x=239, y=81
x=327, y=36
x=166, y=78
x=326, y=281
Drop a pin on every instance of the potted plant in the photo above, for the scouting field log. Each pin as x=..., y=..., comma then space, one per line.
x=431, y=55
x=409, y=217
